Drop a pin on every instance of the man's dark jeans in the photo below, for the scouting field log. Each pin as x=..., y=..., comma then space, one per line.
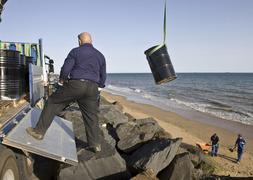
x=239, y=154
x=215, y=148
x=85, y=93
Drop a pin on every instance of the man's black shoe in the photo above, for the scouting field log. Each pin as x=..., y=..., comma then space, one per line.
x=34, y=134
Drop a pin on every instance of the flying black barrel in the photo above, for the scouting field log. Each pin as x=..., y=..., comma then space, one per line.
x=160, y=64
x=11, y=75
x=159, y=59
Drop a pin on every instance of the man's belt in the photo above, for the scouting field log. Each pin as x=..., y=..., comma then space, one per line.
x=83, y=80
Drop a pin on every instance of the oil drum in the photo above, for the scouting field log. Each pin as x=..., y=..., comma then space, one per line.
x=22, y=59
x=10, y=75
x=24, y=73
x=160, y=64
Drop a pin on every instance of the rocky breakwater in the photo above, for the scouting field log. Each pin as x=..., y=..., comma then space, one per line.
x=132, y=148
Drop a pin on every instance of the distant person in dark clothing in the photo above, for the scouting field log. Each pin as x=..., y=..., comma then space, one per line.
x=240, y=143
x=215, y=144
x=83, y=71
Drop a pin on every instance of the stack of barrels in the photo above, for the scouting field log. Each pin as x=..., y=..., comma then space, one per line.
x=14, y=81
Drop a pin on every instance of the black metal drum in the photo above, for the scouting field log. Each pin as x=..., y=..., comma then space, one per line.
x=160, y=64
x=24, y=74
x=22, y=59
x=11, y=75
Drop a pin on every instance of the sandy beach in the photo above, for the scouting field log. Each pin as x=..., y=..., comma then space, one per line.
x=193, y=131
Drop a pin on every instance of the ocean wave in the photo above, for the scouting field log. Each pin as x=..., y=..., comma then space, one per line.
x=219, y=104
x=129, y=91
x=118, y=88
x=135, y=90
x=230, y=110
x=237, y=96
x=222, y=111
x=147, y=96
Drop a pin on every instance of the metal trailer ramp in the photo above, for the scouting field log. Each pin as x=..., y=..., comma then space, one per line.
x=58, y=143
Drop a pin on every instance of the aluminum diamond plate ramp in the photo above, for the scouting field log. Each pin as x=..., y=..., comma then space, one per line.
x=58, y=143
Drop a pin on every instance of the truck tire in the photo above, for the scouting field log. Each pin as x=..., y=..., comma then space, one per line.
x=8, y=165
x=25, y=167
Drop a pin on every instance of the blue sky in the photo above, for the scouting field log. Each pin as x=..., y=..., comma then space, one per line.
x=203, y=35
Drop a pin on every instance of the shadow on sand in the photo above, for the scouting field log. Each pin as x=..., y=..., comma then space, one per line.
x=227, y=158
x=231, y=159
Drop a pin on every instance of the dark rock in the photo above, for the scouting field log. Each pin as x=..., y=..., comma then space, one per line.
x=129, y=137
x=103, y=101
x=146, y=175
x=147, y=120
x=110, y=114
x=76, y=118
x=111, y=166
x=197, y=174
x=147, y=149
x=124, y=129
x=199, y=161
x=149, y=125
x=133, y=134
x=108, y=135
x=162, y=134
x=118, y=106
x=180, y=168
x=196, y=155
x=130, y=117
x=74, y=173
x=155, y=155
x=106, y=164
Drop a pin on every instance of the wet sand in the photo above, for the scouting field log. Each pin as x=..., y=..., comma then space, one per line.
x=198, y=127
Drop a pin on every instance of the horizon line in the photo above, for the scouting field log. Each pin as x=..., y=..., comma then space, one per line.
x=176, y=73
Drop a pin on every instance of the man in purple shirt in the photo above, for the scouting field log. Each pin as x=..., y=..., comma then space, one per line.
x=83, y=71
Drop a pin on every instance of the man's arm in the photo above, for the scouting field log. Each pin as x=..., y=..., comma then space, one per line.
x=102, y=74
x=67, y=66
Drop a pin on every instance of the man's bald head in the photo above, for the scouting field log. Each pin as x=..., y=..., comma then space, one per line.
x=84, y=37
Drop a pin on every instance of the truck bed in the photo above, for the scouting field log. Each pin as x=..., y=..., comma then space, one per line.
x=9, y=109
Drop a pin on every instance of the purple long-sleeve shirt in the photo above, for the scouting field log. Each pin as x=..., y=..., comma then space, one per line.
x=85, y=62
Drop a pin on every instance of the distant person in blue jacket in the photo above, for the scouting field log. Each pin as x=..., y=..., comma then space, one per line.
x=240, y=143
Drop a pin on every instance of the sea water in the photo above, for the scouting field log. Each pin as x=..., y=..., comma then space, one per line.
x=223, y=95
